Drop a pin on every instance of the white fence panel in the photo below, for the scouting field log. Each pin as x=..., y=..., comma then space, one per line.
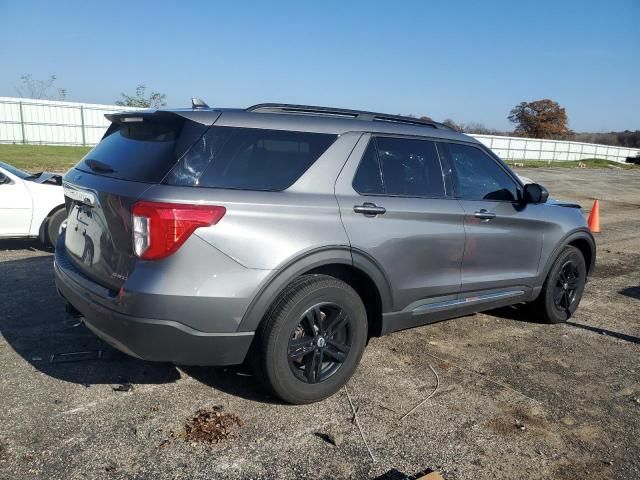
x=24, y=120
x=516, y=148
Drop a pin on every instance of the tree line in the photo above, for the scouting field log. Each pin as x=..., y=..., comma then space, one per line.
x=30, y=87
x=546, y=119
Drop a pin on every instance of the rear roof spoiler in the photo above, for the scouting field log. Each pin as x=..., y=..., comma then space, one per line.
x=205, y=117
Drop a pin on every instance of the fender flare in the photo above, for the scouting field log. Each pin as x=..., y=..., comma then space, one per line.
x=281, y=277
x=580, y=234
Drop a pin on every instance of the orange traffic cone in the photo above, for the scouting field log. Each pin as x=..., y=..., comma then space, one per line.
x=594, y=218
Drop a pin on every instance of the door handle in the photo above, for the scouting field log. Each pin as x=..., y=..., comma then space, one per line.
x=484, y=214
x=369, y=209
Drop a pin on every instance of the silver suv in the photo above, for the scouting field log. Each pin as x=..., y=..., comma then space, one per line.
x=289, y=235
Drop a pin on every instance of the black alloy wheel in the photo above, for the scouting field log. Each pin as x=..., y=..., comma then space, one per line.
x=563, y=287
x=566, y=287
x=311, y=339
x=320, y=343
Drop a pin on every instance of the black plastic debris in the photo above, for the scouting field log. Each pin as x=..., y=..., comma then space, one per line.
x=75, y=356
x=123, y=387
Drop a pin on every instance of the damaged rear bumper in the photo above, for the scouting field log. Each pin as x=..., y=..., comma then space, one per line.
x=149, y=339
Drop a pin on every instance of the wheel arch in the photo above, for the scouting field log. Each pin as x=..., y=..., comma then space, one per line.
x=581, y=239
x=354, y=267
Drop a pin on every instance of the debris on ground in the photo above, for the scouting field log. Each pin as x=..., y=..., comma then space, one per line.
x=428, y=397
x=71, y=322
x=431, y=476
x=75, y=356
x=357, y=422
x=387, y=407
x=395, y=474
x=334, y=439
x=123, y=387
x=211, y=425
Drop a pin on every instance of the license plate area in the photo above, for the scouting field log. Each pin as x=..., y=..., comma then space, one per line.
x=84, y=233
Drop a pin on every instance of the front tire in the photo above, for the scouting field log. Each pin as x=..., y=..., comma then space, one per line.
x=563, y=288
x=311, y=339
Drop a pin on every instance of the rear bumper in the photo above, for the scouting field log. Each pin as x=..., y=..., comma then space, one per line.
x=150, y=339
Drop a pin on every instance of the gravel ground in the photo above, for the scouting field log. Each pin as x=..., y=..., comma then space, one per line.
x=516, y=398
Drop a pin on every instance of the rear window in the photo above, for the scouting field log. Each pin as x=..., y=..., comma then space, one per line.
x=249, y=158
x=142, y=151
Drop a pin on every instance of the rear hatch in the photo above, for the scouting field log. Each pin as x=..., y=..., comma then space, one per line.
x=138, y=151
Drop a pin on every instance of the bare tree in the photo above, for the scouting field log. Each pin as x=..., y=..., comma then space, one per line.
x=627, y=138
x=452, y=125
x=30, y=87
x=154, y=100
x=478, y=128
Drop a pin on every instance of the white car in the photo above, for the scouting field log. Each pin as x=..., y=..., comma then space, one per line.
x=30, y=205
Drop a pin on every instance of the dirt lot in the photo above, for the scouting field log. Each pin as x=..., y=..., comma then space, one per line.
x=516, y=399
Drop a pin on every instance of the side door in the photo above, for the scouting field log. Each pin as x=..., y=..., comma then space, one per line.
x=503, y=236
x=398, y=210
x=15, y=206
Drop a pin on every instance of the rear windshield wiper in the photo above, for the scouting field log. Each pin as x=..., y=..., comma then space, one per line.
x=98, y=166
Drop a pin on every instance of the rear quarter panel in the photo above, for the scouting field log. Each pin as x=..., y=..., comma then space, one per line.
x=266, y=230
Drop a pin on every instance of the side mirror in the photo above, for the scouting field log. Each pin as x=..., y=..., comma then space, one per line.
x=535, y=193
x=4, y=179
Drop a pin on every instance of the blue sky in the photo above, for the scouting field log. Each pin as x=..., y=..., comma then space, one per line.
x=467, y=60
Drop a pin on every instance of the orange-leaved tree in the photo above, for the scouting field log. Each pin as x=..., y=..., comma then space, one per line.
x=540, y=119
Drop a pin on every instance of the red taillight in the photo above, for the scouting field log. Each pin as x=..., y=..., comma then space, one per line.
x=159, y=229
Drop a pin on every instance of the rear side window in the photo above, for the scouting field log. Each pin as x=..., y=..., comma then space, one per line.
x=400, y=167
x=142, y=151
x=249, y=158
x=478, y=176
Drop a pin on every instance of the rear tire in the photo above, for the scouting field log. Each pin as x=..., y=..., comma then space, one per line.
x=53, y=226
x=311, y=339
x=563, y=288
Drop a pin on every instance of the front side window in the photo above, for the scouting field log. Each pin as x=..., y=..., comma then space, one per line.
x=400, y=167
x=478, y=176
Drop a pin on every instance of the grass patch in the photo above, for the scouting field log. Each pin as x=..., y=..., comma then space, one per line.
x=54, y=158
x=589, y=162
x=37, y=158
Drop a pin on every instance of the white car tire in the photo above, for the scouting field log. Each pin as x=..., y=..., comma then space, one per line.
x=52, y=227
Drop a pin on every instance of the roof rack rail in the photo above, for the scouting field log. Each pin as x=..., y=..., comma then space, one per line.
x=342, y=112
